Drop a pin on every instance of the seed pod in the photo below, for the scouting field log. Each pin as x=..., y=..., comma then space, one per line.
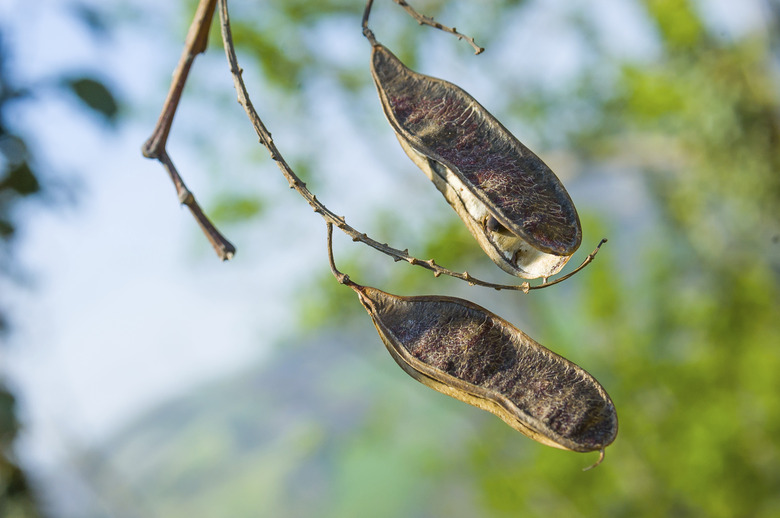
x=512, y=203
x=465, y=351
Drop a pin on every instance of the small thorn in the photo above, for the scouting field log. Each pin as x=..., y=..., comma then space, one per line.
x=186, y=197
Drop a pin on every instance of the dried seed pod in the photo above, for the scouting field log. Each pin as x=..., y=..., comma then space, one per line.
x=512, y=203
x=465, y=351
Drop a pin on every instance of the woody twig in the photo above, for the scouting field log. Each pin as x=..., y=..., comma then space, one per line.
x=155, y=146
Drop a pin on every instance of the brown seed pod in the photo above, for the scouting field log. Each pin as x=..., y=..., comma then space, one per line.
x=465, y=351
x=511, y=202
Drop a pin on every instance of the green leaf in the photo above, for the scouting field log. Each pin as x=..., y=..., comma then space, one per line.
x=95, y=95
x=22, y=180
x=236, y=209
x=680, y=27
x=6, y=231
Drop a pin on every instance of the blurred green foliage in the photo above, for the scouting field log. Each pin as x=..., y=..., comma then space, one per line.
x=236, y=208
x=94, y=94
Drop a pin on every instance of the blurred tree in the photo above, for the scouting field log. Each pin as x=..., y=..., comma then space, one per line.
x=17, y=182
x=21, y=181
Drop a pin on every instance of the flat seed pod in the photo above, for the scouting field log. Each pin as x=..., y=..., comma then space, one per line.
x=467, y=352
x=512, y=203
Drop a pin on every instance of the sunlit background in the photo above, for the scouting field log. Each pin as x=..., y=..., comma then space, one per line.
x=142, y=377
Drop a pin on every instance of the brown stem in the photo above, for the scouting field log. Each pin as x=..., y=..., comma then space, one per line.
x=580, y=267
x=427, y=20
x=599, y=461
x=329, y=216
x=368, y=33
x=154, y=147
x=341, y=277
x=195, y=43
x=224, y=248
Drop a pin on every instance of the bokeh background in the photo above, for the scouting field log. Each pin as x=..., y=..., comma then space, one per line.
x=142, y=377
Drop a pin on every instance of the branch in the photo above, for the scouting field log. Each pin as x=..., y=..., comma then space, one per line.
x=577, y=269
x=225, y=250
x=341, y=277
x=154, y=147
x=329, y=216
x=421, y=19
x=427, y=20
x=195, y=43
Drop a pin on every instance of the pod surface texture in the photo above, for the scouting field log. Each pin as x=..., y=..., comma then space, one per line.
x=458, y=348
x=441, y=121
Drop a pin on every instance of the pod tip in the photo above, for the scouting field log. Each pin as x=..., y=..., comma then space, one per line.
x=599, y=461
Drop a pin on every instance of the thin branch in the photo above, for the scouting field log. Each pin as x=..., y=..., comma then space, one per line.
x=421, y=19
x=225, y=250
x=329, y=216
x=427, y=20
x=341, y=277
x=195, y=43
x=154, y=147
x=577, y=269
x=368, y=33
